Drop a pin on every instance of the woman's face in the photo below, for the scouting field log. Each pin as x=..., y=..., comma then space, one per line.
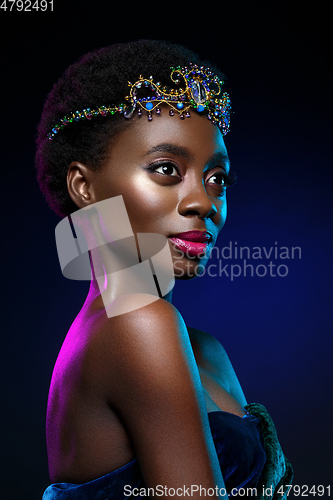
x=172, y=175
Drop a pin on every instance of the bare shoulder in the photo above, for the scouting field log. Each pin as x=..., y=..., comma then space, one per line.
x=140, y=344
x=211, y=355
x=156, y=321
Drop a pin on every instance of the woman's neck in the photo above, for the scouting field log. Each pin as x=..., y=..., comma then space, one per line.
x=123, y=284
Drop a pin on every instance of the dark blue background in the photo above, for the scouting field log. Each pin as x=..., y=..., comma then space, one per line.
x=276, y=330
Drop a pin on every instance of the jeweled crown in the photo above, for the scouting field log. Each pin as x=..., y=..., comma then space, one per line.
x=197, y=88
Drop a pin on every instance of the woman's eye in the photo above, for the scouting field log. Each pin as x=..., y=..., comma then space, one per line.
x=217, y=178
x=166, y=169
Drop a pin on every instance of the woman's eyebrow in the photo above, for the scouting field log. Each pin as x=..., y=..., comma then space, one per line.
x=167, y=147
x=221, y=158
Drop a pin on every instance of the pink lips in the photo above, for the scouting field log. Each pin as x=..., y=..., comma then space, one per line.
x=192, y=243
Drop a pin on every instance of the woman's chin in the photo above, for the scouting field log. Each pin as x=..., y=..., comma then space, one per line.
x=187, y=266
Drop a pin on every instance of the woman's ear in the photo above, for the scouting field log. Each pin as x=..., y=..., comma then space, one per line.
x=80, y=185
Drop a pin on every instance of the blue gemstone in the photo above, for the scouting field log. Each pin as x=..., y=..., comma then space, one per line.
x=180, y=105
x=200, y=108
x=149, y=106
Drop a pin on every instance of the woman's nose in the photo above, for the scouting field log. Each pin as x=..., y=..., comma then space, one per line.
x=195, y=201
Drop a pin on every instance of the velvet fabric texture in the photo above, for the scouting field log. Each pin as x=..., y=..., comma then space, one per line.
x=248, y=451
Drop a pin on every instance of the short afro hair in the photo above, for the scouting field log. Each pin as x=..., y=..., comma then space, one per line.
x=98, y=78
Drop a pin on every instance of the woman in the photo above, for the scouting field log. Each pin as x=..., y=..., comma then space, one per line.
x=140, y=403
